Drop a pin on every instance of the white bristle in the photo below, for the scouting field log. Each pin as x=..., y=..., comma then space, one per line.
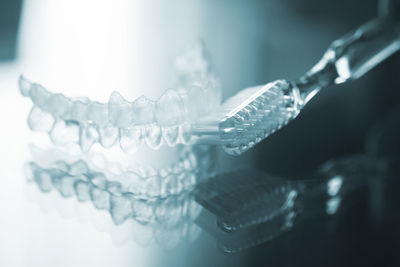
x=250, y=116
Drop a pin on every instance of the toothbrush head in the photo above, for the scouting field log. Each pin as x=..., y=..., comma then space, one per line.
x=250, y=116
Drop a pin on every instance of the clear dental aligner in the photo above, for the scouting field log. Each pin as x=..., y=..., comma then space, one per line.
x=143, y=121
x=255, y=113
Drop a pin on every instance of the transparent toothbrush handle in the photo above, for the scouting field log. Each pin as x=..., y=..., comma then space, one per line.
x=351, y=56
x=361, y=50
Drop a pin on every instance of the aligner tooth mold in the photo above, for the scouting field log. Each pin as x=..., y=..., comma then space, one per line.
x=156, y=201
x=130, y=124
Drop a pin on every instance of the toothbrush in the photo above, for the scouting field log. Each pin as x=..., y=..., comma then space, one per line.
x=257, y=112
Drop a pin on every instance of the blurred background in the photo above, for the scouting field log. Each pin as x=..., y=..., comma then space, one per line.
x=94, y=47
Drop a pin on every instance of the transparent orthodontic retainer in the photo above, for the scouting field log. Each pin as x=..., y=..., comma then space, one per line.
x=130, y=124
x=151, y=196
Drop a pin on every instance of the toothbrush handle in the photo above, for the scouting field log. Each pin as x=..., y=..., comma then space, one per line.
x=359, y=51
x=351, y=56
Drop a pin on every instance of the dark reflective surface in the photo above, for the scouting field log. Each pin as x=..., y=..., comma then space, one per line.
x=343, y=214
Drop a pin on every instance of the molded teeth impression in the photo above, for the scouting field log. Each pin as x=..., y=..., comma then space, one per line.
x=132, y=124
x=157, y=202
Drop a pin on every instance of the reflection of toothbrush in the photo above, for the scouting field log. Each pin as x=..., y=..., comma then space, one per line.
x=255, y=113
x=245, y=208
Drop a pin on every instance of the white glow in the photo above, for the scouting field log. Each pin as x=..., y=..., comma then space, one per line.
x=94, y=47
x=333, y=186
x=78, y=47
x=343, y=69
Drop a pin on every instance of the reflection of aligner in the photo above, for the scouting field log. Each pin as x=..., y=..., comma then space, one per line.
x=166, y=233
x=143, y=121
x=168, y=218
x=157, y=202
x=165, y=198
x=140, y=179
